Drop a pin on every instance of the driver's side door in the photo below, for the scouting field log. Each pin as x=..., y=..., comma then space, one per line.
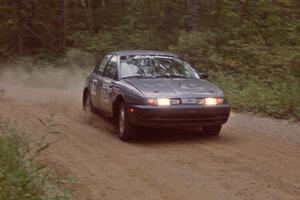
x=96, y=82
x=108, y=79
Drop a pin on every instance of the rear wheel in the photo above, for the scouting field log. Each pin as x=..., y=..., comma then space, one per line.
x=125, y=128
x=212, y=130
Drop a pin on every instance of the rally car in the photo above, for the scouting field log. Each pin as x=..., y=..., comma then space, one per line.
x=153, y=89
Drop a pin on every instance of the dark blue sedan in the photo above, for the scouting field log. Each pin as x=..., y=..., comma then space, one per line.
x=153, y=89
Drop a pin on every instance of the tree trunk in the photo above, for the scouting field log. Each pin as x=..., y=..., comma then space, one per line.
x=20, y=25
x=87, y=6
x=194, y=9
x=218, y=39
x=64, y=22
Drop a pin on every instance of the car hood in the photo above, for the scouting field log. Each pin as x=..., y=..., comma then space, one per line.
x=175, y=88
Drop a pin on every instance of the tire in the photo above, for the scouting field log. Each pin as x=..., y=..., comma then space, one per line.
x=126, y=130
x=212, y=130
x=87, y=106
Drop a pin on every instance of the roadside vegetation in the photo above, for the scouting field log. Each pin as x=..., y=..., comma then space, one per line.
x=21, y=178
x=249, y=48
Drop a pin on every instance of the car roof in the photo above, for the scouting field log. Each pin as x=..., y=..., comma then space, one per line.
x=142, y=52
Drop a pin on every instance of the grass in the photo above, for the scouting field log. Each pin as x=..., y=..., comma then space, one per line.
x=20, y=178
x=280, y=99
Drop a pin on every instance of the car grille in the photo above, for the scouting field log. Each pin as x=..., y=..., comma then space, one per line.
x=186, y=117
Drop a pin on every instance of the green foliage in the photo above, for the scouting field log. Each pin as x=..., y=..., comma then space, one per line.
x=250, y=93
x=21, y=179
x=98, y=44
x=196, y=47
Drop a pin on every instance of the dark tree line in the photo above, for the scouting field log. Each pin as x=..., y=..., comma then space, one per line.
x=215, y=33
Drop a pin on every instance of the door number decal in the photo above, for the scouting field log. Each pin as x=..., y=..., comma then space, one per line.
x=94, y=87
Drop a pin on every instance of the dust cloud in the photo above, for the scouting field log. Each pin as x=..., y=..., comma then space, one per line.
x=42, y=82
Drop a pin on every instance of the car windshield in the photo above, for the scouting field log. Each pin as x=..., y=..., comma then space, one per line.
x=155, y=66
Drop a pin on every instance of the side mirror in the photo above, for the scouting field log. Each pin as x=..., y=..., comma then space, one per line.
x=203, y=75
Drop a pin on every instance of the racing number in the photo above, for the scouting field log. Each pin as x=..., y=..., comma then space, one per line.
x=105, y=93
x=94, y=87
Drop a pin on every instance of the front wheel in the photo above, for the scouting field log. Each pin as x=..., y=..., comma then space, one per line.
x=125, y=128
x=212, y=130
x=87, y=106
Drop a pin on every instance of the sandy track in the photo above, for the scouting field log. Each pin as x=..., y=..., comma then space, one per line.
x=253, y=158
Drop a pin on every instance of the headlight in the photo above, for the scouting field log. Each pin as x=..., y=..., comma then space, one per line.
x=210, y=101
x=164, y=101
x=213, y=101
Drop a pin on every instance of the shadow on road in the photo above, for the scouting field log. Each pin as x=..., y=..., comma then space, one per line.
x=162, y=135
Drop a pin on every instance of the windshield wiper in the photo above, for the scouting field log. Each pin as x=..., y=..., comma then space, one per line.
x=171, y=76
x=136, y=76
x=159, y=76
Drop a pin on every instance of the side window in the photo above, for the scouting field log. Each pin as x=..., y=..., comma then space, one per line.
x=110, y=70
x=101, y=65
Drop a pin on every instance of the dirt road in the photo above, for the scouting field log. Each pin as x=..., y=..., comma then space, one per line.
x=253, y=158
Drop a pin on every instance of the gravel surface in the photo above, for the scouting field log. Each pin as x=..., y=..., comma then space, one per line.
x=253, y=158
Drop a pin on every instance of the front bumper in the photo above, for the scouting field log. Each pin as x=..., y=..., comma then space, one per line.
x=178, y=115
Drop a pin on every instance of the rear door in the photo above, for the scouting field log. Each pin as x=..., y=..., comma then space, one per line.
x=97, y=81
x=108, y=80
